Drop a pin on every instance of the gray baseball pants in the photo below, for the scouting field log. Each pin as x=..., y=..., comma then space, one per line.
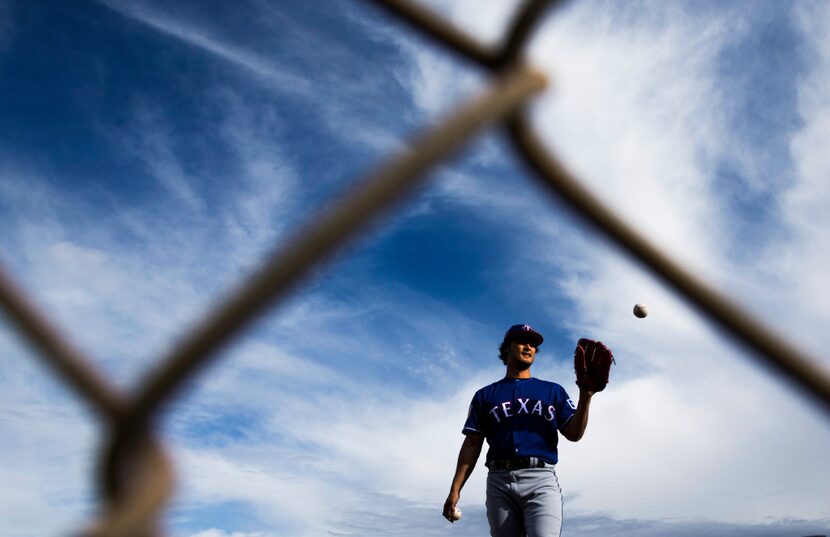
x=524, y=503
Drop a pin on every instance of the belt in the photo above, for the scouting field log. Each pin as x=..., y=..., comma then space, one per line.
x=517, y=464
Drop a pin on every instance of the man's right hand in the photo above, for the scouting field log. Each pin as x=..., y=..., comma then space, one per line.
x=449, y=505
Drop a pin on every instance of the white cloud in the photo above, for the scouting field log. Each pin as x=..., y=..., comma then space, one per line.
x=113, y=274
x=214, y=532
x=343, y=108
x=153, y=145
x=635, y=112
x=201, y=38
x=341, y=442
x=47, y=448
x=802, y=256
x=687, y=427
x=486, y=21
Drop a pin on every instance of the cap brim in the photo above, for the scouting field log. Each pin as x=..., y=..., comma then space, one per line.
x=534, y=337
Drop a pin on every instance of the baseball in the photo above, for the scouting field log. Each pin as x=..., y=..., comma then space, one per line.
x=640, y=310
x=456, y=514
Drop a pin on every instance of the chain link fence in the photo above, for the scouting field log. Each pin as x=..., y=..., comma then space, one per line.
x=135, y=473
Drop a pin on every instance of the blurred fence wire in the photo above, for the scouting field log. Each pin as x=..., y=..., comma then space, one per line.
x=135, y=474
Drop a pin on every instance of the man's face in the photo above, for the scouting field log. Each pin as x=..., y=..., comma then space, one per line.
x=522, y=353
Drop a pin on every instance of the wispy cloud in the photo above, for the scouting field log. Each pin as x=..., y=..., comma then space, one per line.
x=214, y=532
x=311, y=442
x=637, y=113
x=201, y=38
x=293, y=62
x=803, y=253
x=341, y=412
x=154, y=146
x=47, y=448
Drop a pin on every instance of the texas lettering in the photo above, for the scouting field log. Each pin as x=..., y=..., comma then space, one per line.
x=528, y=406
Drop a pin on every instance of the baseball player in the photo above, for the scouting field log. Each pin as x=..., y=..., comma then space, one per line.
x=521, y=418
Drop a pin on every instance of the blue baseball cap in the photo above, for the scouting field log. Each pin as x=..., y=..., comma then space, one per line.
x=523, y=331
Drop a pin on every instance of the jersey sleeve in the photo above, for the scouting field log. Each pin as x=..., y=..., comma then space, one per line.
x=474, y=423
x=565, y=407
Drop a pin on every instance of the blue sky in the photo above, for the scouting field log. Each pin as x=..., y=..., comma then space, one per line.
x=153, y=153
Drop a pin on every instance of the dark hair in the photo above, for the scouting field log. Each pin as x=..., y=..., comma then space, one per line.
x=504, y=348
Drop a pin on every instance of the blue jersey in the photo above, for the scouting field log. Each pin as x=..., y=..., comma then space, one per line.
x=520, y=418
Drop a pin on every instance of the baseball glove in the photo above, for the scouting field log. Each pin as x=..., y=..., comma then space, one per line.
x=592, y=362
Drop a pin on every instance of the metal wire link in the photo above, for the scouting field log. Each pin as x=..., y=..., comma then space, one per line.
x=136, y=476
